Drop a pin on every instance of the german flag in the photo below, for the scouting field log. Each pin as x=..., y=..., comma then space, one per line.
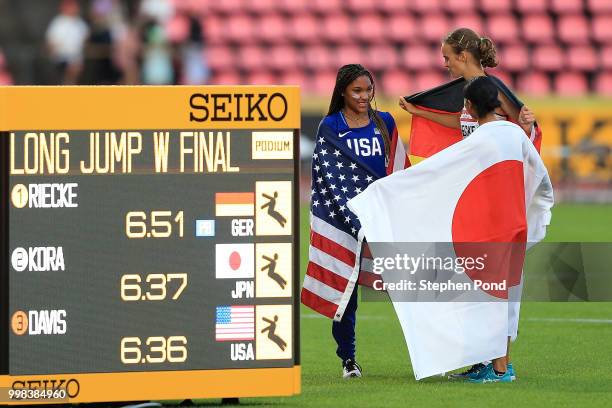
x=428, y=138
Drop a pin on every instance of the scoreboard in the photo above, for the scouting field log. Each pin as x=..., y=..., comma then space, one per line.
x=149, y=243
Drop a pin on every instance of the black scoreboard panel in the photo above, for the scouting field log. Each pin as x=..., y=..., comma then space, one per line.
x=151, y=251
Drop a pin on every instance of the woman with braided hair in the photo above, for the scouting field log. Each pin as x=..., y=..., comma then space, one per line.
x=355, y=145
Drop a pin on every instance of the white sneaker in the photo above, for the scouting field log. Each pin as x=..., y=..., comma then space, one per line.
x=350, y=369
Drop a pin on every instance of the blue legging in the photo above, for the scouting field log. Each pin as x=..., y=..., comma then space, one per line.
x=344, y=330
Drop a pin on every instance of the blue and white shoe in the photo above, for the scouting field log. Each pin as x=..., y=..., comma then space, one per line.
x=511, y=371
x=469, y=374
x=489, y=376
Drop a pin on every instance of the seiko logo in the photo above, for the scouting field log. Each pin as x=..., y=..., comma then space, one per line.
x=237, y=107
x=71, y=385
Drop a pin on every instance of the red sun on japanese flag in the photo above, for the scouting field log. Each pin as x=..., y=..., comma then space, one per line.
x=234, y=261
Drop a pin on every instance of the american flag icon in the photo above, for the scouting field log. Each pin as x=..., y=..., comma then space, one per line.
x=235, y=323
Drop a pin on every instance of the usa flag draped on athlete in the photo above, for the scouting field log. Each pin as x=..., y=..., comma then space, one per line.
x=339, y=174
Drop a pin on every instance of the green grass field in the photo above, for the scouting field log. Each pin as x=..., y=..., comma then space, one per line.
x=561, y=359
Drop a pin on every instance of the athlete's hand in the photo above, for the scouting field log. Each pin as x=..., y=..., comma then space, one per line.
x=526, y=118
x=407, y=106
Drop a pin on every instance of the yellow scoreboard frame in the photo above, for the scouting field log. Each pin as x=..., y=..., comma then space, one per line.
x=41, y=109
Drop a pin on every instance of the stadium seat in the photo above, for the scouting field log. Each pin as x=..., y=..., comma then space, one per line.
x=251, y=57
x=381, y=57
x=459, y=7
x=599, y=6
x=304, y=28
x=326, y=7
x=502, y=28
x=261, y=6
x=228, y=6
x=261, y=78
x=548, y=58
x=283, y=58
x=505, y=77
x=220, y=57
x=571, y=84
x=317, y=57
x=402, y=29
x=566, y=6
x=361, y=7
x=417, y=58
x=602, y=28
x=396, y=82
x=338, y=28
x=434, y=27
x=296, y=77
x=272, y=29
x=425, y=6
x=177, y=28
x=393, y=7
x=324, y=82
x=213, y=30
x=226, y=78
x=514, y=58
x=582, y=58
x=471, y=20
x=605, y=58
x=294, y=6
x=496, y=6
x=429, y=79
x=533, y=83
x=526, y=7
x=370, y=28
x=603, y=83
x=349, y=54
x=538, y=29
x=240, y=29
x=573, y=29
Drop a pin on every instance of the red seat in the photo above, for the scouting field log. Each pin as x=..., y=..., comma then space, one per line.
x=402, y=29
x=304, y=28
x=261, y=6
x=534, y=83
x=582, y=58
x=362, y=6
x=251, y=57
x=459, y=7
x=393, y=6
x=514, y=58
x=338, y=28
x=370, y=28
x=283, y=57
x=566, y=6
x=220, y=57
x=381, y=57
x=226, y=78
x=603, y=83
x=325, y=7
x=531, y=6
x=503, y=28
x=599, y=6
x=318, y=57
x=261, y=78
x=434, y=27
x=418, y=57
x=496, y=6
x=605, y=57
x=548, y=58
x=228, y=6
x=272, y=28
x=573, y=29
x=395, y=83
x=602, y=29
x=429, y=79
x=426, y=6
x=296, y=77
x=324, y=82
x=240, y=28
x=538, y=29
x=349, y=54
x=214, y=30
x=293, y=6
x=177, y=28
x=571, y=84
x=472, y=21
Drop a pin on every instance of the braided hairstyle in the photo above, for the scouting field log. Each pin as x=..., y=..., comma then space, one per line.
x=482, y=48
x=346, y=75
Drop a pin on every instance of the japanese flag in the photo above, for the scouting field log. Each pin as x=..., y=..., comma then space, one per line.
x=489, y=187
x=235, y=261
